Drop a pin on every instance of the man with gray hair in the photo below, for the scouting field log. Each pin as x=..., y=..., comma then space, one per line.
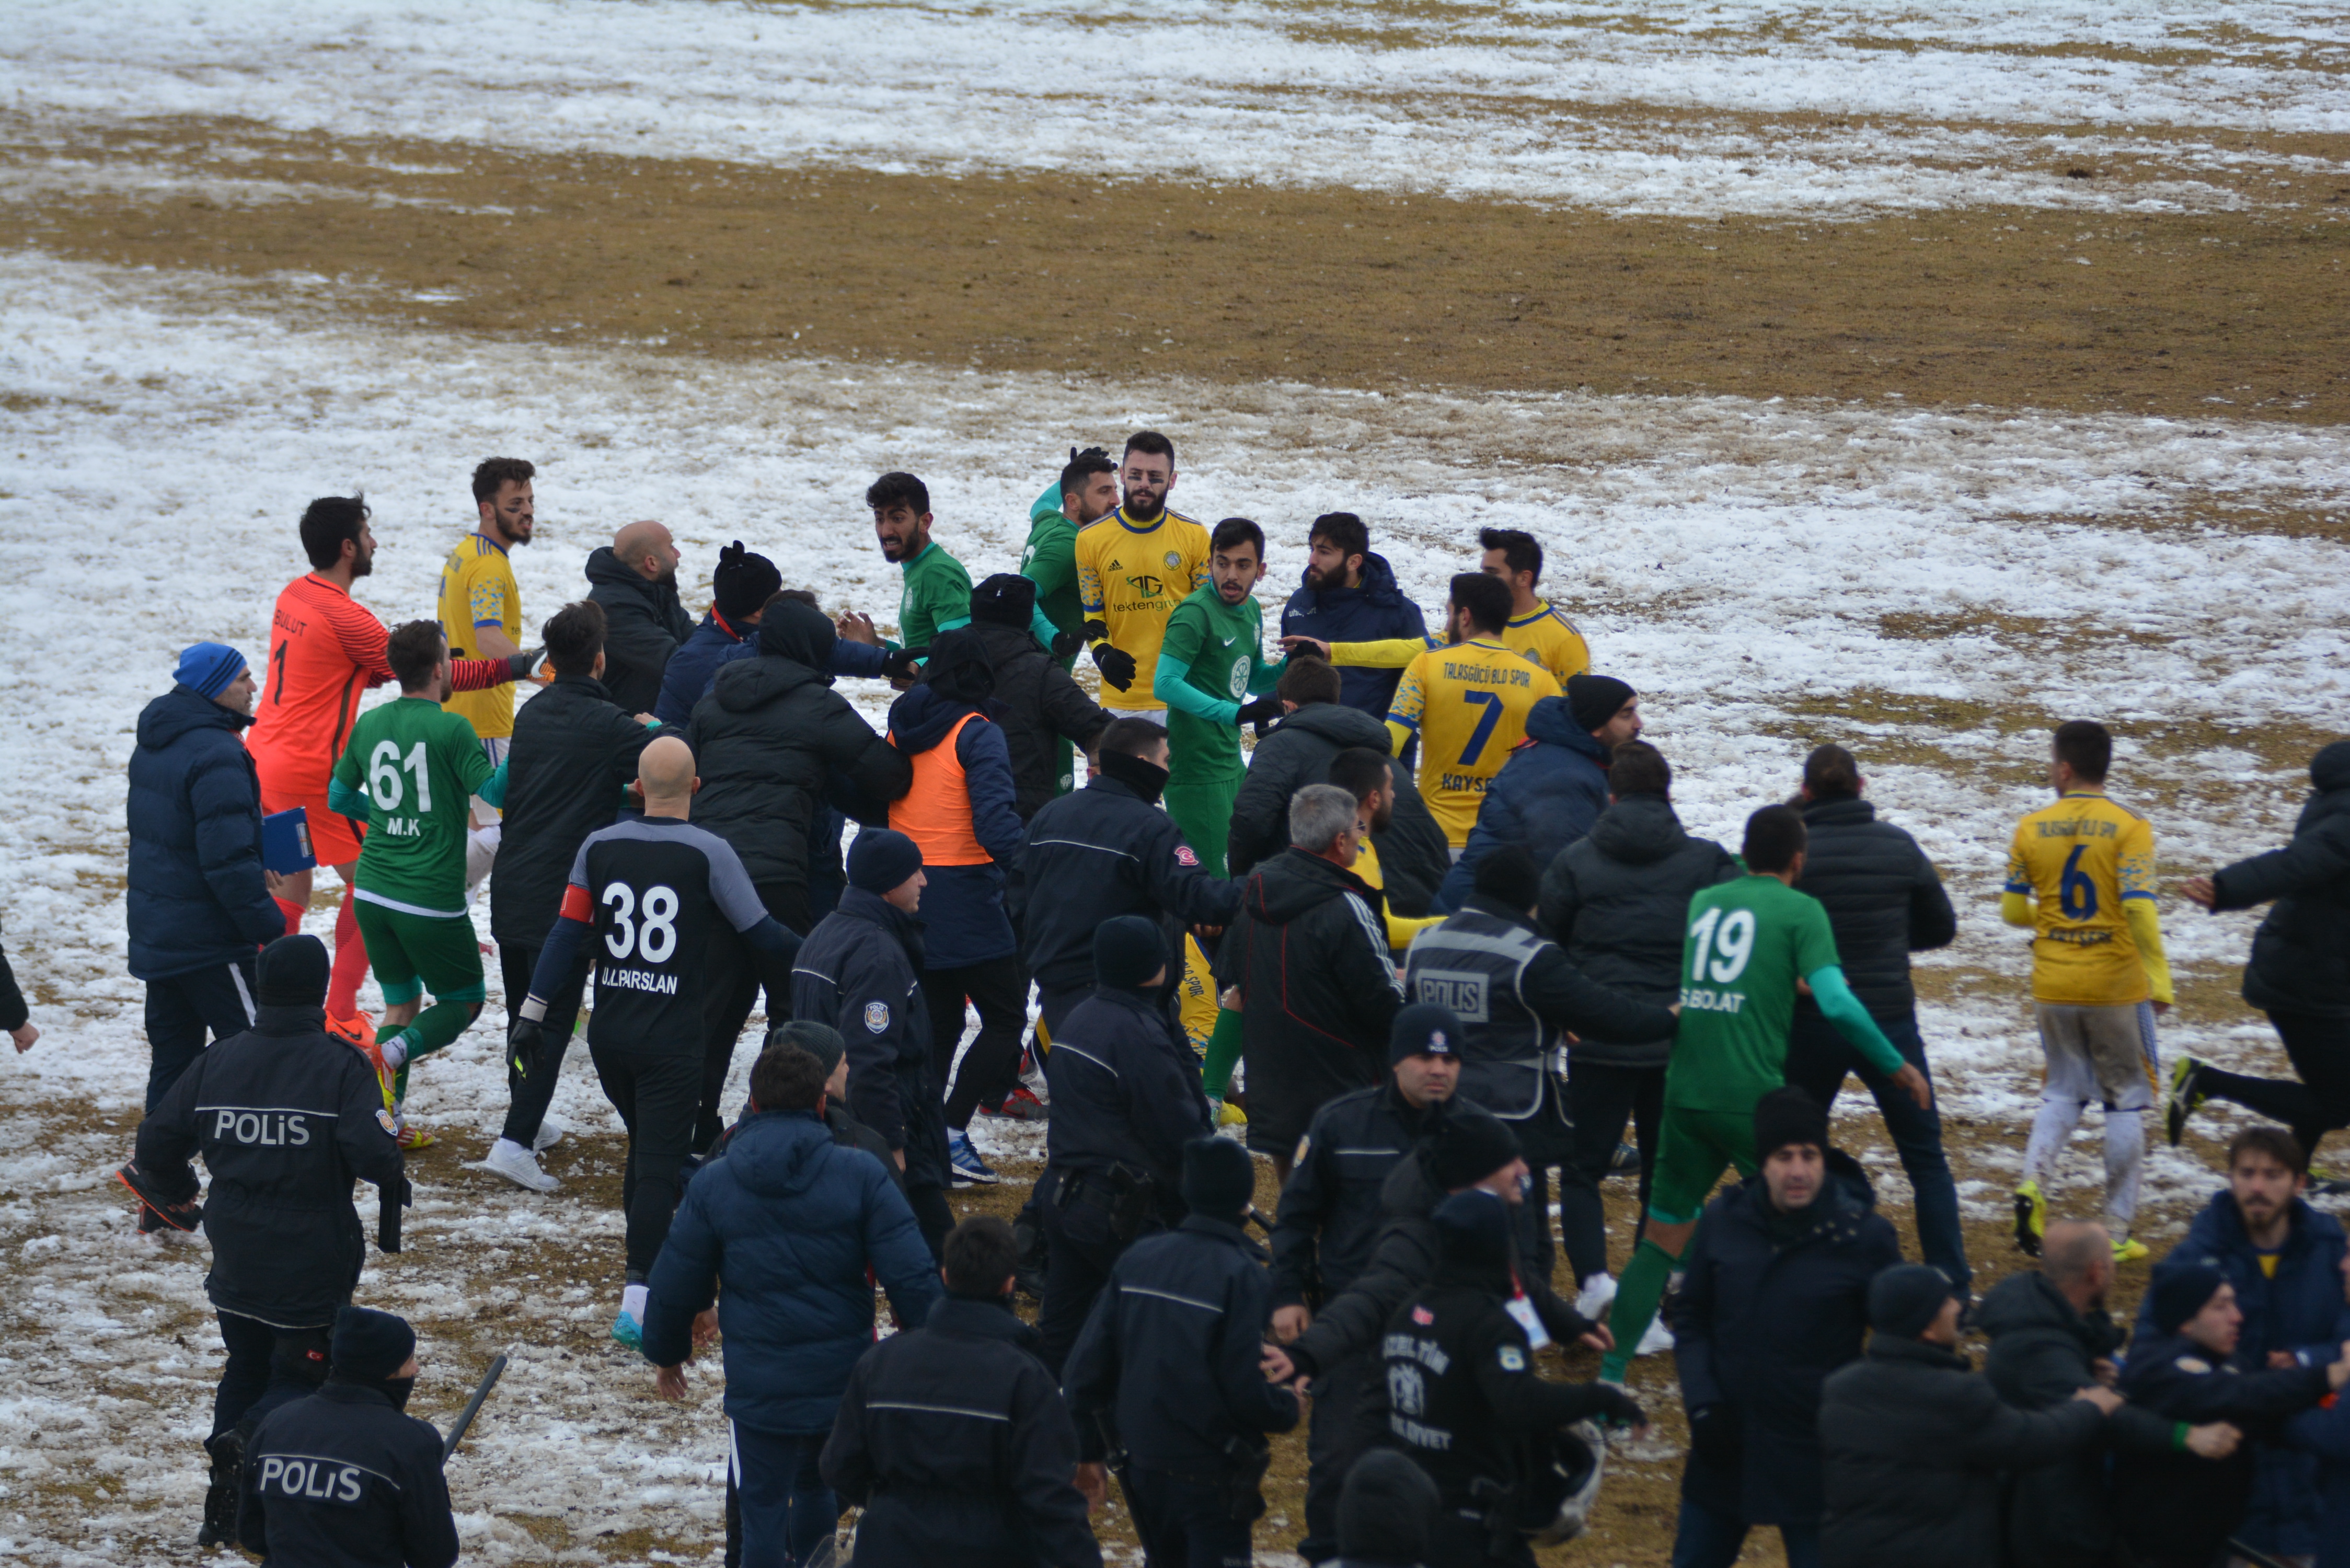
x=1308, y=956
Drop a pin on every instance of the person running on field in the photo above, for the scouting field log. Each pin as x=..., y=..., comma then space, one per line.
x=325, y=653
x=1213, y=679
x=481, y=613
x=653, y=890
x=1468, y=702
x=2081, y=876
x=1751, y=944
x=1133, y=568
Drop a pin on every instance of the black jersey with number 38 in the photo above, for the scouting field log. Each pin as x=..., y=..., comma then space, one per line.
x=652, y=888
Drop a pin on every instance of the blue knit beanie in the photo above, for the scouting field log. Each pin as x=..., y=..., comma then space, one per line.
x=207, y=667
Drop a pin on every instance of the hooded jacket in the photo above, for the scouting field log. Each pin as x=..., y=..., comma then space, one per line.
x=1318, y=991
x=195, y=894
x=1037, y=705
x=859, y=972
x=1617, y=900
x=2300, y=954
x=769, y=738
x=573, y=756
x=1374, y=610
x=963, y=917
x=781, y=1230
x=643, y=624
x=1413, y=853
x=1883, y=899
x=1546, y=796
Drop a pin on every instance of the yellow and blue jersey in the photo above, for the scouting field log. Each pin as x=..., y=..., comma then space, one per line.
x=1467, y=704
x=478, y=590
x=1130, y=577
x=1550, y=639
x=2074, y=873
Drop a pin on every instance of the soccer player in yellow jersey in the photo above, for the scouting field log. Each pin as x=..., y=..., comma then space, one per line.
x=1134, y=566
x=1467, y=702
x=2081, y=875
x=481, y=614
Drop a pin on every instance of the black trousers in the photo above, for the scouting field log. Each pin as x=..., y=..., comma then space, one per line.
x=2319, y=1049
x=999, y=991
x=527, y=1098
x=733, y=974
x=655, y=1091
x=1078, y=1265
x=1602, y=1098
x=1334, y=1440
x=1547, y=1138
x=1183, y=1523
x=250, y=1344
x=184, y=1009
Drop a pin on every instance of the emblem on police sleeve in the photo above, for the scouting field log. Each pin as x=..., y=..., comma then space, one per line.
x=1513, y=1358
x=1183, y=856
x=383, y=1119
x=877, y=1016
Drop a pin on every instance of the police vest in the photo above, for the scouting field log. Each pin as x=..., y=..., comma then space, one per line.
x=936, y=812
x=1474, y=964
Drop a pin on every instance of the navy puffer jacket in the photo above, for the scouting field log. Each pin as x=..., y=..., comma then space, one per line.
x=195, y=897
x=1546, y=796
x=789, y=1222
x=1375, y=610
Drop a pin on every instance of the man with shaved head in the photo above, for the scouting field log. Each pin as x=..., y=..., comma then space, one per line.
x=652, y=891
x=2050, y=1336
x=635, y=579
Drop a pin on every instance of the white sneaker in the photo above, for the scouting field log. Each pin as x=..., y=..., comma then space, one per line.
x=519, y=1166
x=1598, y=1293
x=550, y=1133
x=1656, y=1341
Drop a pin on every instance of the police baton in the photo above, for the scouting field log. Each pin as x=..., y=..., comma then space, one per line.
x=473, y=1407
x=1256, y=1218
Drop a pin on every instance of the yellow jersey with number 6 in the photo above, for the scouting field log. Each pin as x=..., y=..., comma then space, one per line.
x=1468, y=702
x=2080, y=861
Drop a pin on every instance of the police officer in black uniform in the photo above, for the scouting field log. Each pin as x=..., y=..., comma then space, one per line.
x=1126, y=1100
x=860, y=974
x=1329, y=1220
x=1517, y=997
x=285, y=1117
x=342, y=1478
x=1169, y=1369
x=1461, y=1396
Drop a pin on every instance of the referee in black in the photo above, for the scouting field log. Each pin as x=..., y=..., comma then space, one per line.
x=650, y=892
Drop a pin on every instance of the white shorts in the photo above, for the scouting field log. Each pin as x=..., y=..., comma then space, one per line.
x=2102, y=1054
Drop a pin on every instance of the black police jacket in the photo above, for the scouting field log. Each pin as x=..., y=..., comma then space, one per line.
x=1329, y=1215
x=859, y=971
x=2300, y=954
x=960, y=1449
x=1171, y=1354
x=284, y=1117
x=1126, y=1089
x=1097, y=854
x=341, y=1480
x=1884, y=898
x=573, y=755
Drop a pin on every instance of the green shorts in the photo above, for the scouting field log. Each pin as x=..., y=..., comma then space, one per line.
x=1693, y=1149
x=414, y=953
x=1204, y=810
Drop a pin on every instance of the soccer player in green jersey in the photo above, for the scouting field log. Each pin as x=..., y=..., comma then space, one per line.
x=1750, y=945
x=937, y=593
x=1211, y=666
x=410, y=771
x=1086, y=493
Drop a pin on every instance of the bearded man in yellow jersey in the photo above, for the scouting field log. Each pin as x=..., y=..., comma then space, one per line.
x=2081, y=875
x=481, y=614
x=1467, y=704
x=1134, y=566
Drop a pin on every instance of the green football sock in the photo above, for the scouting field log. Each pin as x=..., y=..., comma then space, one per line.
x=1637, y=1296
x=1224, y=1051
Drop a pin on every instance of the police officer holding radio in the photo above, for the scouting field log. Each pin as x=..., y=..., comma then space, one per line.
x=285, y=1117
x=1126, y=1100
x=343, y=1479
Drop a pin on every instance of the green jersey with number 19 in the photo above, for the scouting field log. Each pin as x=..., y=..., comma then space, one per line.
x=420, y=765
x=1747, y=943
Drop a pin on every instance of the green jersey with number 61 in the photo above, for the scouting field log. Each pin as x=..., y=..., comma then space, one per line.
x=1747, y=943
x=420, y=765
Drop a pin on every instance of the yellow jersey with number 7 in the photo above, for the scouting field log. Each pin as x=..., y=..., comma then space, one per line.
x=1468, y=702
x=2081, y=862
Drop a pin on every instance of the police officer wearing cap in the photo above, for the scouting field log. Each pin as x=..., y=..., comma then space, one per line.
x=343, y=1479
x=1461, y=1396
x=1126, y=1100
x=1329, y=1220
x=285, y=1117
x=1169, y=1370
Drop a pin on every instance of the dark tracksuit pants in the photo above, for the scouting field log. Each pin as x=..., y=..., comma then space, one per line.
x=1183, y=1522
x=250, y=1344
x=733, y=973
x=991, y=1068
x=1602, y=1097
x=527, y=1098
x=1334, y=1440
x=184, y=1009
x=656, y=1089
x=2319, y=1049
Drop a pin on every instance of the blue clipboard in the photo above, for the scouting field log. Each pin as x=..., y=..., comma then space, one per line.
x=286, y=842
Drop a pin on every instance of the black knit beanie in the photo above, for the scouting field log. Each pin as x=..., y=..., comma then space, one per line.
x=1007, y=598
x=742, y=582
x=1127, y=950
x=291, y=973
x=370, y=1347
x=1595, y=699
x=1785, y=1115
x=1387, y=1511
x=1905, y=1299
x=1470, y=1146
x=1218, y=1179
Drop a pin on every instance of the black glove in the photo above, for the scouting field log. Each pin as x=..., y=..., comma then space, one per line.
x=520, y=665
x=1095, y=631
x=525, y=1040
x=899, y=663
x=1117, y=666
x=1714, y=1432
x=1260, y=713
x=1066, y=645
x=1090, y=451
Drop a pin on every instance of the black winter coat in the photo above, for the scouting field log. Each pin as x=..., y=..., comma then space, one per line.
x=1915, y=1444
x=1097, y=854
x=1884, y=897
x=285, y=1117
x=1616, y=900
x=1330, y=1212
x=1318, y=990
x=959, y=1448
x=573, y=756
x=2300, y=954
x=1374, y=610
x=1039, y=705
x=764, y=742
x=643, y=624
x=195, y=897
x=2041, y=1351
x=1547, y=795
x=1413, y=852
x=342, y=1479
x=859, y=971
x=1771, y=1305
x=1126, y=1090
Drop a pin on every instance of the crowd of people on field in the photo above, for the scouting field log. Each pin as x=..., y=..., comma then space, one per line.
x=1403, y=911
